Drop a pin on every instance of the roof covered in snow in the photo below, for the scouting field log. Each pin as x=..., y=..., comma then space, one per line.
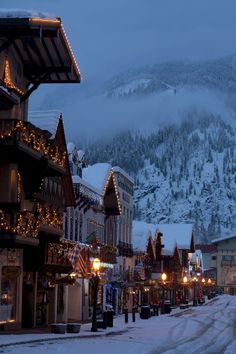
x=173, y=234
x=45, y=120
x=140, y=232
x=176, y=234
x=117, y=169
x=79, y=180
x=19, y=13
x=97, y=175
x=216, y=240
x=56, y=62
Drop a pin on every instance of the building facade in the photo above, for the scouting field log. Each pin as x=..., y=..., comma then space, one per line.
x=34, y=169
x=226, y=264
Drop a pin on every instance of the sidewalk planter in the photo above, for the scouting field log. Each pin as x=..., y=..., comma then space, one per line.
x=145, y=313
x=167, y=307
x=59, y=328
x=73, y=327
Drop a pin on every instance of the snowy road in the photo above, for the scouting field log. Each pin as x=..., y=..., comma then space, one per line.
x=206, y=329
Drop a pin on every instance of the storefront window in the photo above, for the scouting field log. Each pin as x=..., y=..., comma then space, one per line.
x=8, y=293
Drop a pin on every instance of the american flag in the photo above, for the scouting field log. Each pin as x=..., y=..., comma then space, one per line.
x=77, y=260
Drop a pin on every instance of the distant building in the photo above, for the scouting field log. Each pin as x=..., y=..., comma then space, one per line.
x=226, y=263
x=167, y=248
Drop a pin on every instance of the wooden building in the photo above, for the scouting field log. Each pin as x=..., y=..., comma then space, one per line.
x=91, y=224
x=34, y=169
x=167, y=248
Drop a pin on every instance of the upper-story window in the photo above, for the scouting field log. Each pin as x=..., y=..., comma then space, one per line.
x=227, y=258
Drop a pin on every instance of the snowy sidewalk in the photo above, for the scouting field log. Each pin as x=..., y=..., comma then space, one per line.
x=119, y=327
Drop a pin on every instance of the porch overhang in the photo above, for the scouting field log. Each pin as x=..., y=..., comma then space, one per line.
x=43, y=47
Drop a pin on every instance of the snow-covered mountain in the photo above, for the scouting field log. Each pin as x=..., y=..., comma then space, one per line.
x=183, y=173
x=218, y=74
x=183, y=156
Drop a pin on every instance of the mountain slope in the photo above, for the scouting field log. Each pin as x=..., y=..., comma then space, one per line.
x=184, y=173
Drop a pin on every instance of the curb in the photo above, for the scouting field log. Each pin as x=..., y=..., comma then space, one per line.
x=83, y=336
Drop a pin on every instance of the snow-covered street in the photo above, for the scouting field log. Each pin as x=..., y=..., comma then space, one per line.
x=204, y=329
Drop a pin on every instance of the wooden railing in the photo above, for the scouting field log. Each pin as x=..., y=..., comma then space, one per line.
x=32, y=137
x=27, y=224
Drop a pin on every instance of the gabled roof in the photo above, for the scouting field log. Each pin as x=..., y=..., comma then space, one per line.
x=223, y=238
x=117, y=169
x=140, y=233
x=41, y=43
x=51, y=121
x=97, y=175
x=99, y=179
x=45, y=120
x=179, y=235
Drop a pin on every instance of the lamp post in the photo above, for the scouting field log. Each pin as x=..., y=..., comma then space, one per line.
x=209, y=289
x=163, y=278
x=185, y=279
x=95, y=283
x=194, y=291
x=203, y=287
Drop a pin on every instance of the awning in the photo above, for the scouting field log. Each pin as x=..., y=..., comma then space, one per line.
x=43, y=47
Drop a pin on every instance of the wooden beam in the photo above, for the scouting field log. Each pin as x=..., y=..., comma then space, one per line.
x=49, y=55
x=59, y=56
x=6, y=44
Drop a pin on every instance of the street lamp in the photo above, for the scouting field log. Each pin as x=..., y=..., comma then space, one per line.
x=163, y=278
x=194, y=291
x=95, y=279
x=185, y=279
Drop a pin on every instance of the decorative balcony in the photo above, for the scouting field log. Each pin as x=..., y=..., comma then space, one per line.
x=21, y=141
x=25, y=225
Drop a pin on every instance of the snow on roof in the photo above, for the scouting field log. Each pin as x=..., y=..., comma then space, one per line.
x=70, y=147
x=78, y=180
x=173, y=234
x=176, y=234
x=19, y=13
x=46, y=120
x=227, y=237
x=81, y=154
x=140, y=232
x=122, y=172
x=97, y=175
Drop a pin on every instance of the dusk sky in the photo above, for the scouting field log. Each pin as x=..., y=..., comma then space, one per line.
x=109, y=36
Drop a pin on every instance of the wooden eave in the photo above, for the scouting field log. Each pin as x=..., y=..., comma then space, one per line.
x=6, y=100
x=111, y=202
x=67, y=182
x=43, y=48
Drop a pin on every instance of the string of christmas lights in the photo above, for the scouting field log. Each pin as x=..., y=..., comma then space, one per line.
x=28, y=224
x=8, y=81
x=111, y=175
x=36, y=141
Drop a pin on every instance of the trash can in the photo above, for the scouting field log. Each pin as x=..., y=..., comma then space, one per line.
x=110, y=318
x=167, y=308
x=145, y=312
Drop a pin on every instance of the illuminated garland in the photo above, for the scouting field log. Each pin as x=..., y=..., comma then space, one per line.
x=8, y=81
x=111, y=175
x=28, y=224
x=37, y=141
